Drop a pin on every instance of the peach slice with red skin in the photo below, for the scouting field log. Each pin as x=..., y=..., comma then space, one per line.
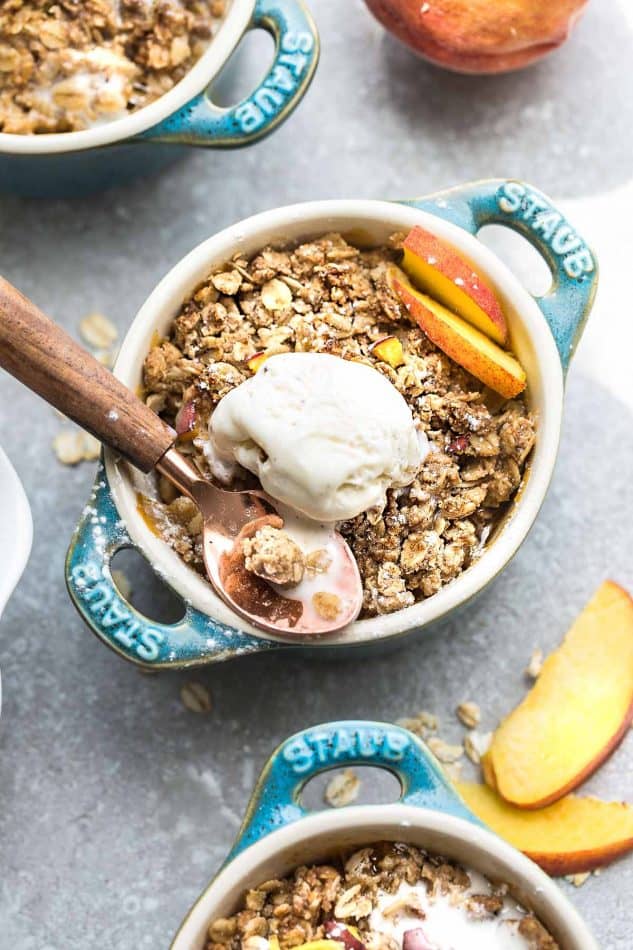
x=573, y=835
x=577, y=712
x=461, y=341
x=438, y=270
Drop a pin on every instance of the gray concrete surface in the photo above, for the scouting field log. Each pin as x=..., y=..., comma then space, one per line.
x=116, y=803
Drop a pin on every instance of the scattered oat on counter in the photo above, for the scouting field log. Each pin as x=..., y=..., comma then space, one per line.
x=578, y=879
x=422, y=724
x=534, y=667
x=469, y=714
x=107, y=358
x=343, y=789
x=92, y=447
x=98, y=331
x=476, y=744
x=444, y=751
x=196, y=698
x=73, y=446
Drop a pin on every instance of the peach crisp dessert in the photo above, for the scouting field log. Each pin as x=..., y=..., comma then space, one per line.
x=70, y=65
x=384, y=897
x=368, y=389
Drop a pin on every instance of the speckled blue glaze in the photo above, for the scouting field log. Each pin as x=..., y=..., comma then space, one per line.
x=75, y=174
x=276, y=801
x=198, y=639
x=199, y=122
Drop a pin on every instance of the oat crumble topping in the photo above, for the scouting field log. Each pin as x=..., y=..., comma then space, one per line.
x=336, y=300
x=68, y=65
x=303, y=906
x=272, y=555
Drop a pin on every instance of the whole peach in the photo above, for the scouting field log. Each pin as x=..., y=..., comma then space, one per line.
x=480, y=36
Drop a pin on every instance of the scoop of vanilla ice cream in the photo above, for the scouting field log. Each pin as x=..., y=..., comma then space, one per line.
x=324, y=435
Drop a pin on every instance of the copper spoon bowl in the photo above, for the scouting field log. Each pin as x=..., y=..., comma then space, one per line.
x=45, y=358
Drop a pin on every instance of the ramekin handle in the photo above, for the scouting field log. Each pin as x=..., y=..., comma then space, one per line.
x=276, y=801
x=528, y=211
x=195, y=640
x=201, y=122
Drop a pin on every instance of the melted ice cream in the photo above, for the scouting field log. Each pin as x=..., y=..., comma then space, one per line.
x=447, y=925
x=326, y=436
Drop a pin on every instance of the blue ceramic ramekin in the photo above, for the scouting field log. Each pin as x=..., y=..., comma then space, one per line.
x=278, y=834
x=544, y=332
x=74, y=163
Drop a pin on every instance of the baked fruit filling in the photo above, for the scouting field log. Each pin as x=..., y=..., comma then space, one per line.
x=74, y=64
x=383, y=897
x=457, y=454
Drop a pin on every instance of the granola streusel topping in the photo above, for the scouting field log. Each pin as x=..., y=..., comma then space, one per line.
x=272, y=555
x=372, y=898
x=68, y=65
x=337, y=301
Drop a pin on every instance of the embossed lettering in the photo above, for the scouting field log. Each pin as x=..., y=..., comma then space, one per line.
x=298, y=755
x=249, y=116
x=98, y=597
x=279, y=85
x=150, y=642
x=531, y=204
x=513, y=193
x=281, y=78
x=579, y=263
x=85, y=574
x=322, y=748
x=395, y=744
x=268, y=100
x=343, y=745
x=367, y=744
x=297, y=42
x=321, y=741
x=125, y=636
x=565, y=240
x=542, y=219
x=113, y=616
x=297, y=62
x=546, y=222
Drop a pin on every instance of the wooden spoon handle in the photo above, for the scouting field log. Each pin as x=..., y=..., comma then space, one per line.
x=47, y=360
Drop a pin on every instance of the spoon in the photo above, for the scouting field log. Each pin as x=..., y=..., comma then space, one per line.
x=45, y=358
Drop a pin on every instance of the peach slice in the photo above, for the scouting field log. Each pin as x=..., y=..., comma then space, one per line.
x=257, y=360
x=464, y=344
x=442, y=273
x=577, y=712
x=389, y=350
x=572, y=835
